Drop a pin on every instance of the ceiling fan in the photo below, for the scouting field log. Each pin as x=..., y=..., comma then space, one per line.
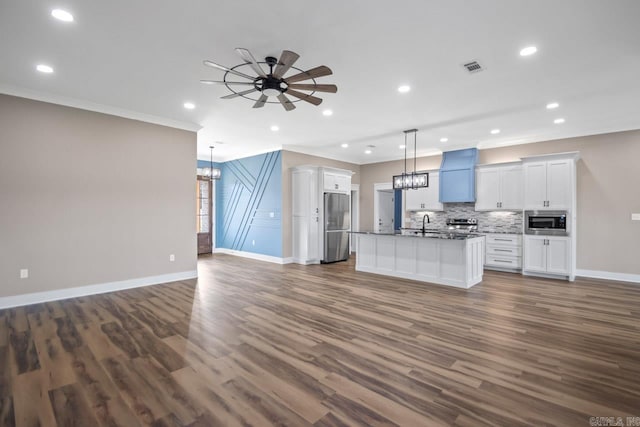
x=274, y=83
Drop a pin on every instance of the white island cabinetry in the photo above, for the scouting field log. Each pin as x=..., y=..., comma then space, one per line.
x=451, y=262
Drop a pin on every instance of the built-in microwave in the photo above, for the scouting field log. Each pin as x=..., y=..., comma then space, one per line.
x=546, y=223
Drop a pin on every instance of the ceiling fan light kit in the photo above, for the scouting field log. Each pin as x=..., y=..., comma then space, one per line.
x=410, y=180
x=273, y=83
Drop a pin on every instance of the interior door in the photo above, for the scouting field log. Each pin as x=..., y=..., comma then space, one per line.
x=203, y=215
x=384, y=222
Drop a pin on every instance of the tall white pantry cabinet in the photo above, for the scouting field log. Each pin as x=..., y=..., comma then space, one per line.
x=308, y=185
x=550, y=184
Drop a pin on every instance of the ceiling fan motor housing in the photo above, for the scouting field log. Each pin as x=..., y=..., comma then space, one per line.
x=270, y=86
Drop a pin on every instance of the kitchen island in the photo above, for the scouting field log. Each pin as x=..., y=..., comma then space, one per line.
x=444, y=258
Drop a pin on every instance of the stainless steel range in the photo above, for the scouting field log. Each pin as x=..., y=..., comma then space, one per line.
x=462, y=225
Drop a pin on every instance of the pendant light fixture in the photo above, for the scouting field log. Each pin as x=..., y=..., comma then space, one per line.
x=213, y=173
x=415, y=179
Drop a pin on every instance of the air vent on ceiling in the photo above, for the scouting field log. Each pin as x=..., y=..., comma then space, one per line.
x=473, y=67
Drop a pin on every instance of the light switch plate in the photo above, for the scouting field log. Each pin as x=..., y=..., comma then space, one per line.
x=635, y=217
x=24, y=273
x=172, y=257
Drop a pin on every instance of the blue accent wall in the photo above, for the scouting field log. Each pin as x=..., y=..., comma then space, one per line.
x=249, y=205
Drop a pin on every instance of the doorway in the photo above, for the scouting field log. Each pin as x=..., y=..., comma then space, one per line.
x=383, y=208
x=204, y=214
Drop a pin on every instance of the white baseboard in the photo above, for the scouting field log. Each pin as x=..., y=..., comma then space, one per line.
x=101, y=288
x=609, y=275
x=259, y=257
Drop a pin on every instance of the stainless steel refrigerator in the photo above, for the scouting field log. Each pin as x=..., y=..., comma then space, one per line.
x=337, y=221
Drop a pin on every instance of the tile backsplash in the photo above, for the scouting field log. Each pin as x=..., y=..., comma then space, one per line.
x=495, y=221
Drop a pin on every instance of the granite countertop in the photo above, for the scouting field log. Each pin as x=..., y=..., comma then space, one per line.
x=430, y=234
x=494, y=231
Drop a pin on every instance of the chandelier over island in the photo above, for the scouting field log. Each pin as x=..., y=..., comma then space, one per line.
x=410, y=180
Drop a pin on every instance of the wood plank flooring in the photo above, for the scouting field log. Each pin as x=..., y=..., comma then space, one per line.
x=258, y=344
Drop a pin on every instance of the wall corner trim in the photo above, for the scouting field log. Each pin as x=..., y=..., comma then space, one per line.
x=609, y=275
x=101, y=288
x=259, y=257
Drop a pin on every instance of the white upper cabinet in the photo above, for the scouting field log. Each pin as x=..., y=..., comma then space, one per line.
x=549, y=184
x=424, y=199
x=559, y=184
x=511, y=188
x=499, y=188
x=336, y=182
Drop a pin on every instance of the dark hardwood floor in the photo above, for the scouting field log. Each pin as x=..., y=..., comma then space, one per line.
x=260, y=344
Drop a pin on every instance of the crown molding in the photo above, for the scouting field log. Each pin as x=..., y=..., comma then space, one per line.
x=98, y=108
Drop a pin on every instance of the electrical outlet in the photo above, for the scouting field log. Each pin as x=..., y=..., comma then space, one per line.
x=635, y=217
x=272, y=214
x=172, y=257
x=24, y=273
x=253, y=242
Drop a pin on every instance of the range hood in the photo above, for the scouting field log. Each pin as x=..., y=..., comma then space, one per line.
x=458, y=176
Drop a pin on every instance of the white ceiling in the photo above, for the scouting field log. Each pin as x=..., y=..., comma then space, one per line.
x=144, y=59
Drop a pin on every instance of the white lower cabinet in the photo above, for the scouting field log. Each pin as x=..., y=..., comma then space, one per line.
x=547, y=254
x=503, y=251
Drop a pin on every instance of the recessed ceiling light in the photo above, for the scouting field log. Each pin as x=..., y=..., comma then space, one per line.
x=404, y=88
x=367, y=151
x=402, y=147
x=495, y=131
x=44, y=69
x=189, y=105
x=327, y=113
x=62, y=15
x=444, y=139
x=529, y=50
x=344, y=145
x=558, y=121
x=552, y=105
x=275, y=128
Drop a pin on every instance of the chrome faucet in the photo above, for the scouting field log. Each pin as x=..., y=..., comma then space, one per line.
x=428, y=222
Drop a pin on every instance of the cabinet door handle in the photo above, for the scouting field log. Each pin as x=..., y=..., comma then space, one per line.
x=502, y=250
x=503, y=240
x=500, y=260
x=497, y=204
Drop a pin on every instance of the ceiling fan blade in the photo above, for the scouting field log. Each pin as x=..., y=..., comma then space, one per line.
x=261, y=101
x=287, y=59
x=305, y=97
x=317, y=88
x=234, y=95
x=248, y=57
x=223, y=68
x=286, y=103
x=313, y=73
x=218, y=82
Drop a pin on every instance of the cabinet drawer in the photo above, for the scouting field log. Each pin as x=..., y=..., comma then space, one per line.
x=504, y=239
x=504, y=250
x=505, y=262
